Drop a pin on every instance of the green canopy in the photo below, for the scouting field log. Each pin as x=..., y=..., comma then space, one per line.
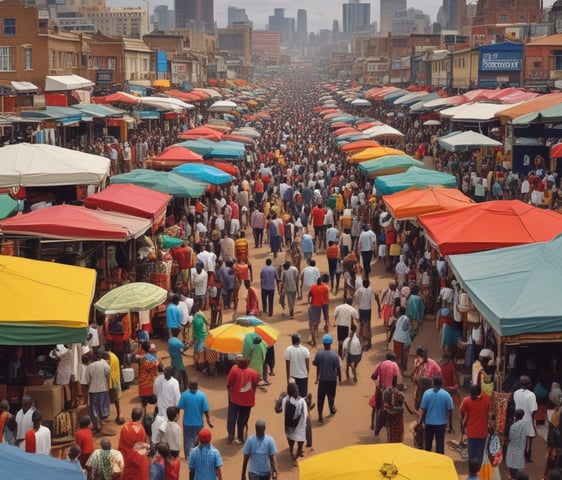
x=388, y=165
x=546, y=115
x=413, y=177
x=515, y=288
x=166, y=182
x=7, y=206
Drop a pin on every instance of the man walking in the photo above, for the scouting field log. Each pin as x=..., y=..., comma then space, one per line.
x=475, y=411
x=205, y=461
x=436, y=408
x=269, y=279
x=260, y=452
x=345, y=315
x=526, y=400
x=297, y=362
x=328, y=372
x=97, y=379
x=367, y=245
x=289, y=286
x=194, y=404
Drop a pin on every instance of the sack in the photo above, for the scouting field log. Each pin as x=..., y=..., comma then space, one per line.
x=395, y=250
x=291, y=420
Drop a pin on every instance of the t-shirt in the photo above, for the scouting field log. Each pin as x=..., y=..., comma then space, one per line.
x=259, y=450
x=316, y=295
x=366, y=240
x=344, y=314
x=476, y=413
x=296, y=355
x=194, y=404
x=437, y=404
x=310, y=275
x=175, y=348
x=268, y=276
x=526, y=401
x=173, y=316
x=307, y=243
x=242, y=383
x=199, y=327
x=318, y=216
x=289, y=279
x=85, y=440
x=328, y=363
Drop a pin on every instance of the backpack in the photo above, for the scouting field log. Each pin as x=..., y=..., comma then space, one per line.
x=290, y=413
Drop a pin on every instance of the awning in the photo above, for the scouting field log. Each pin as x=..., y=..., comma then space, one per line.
x=532, y=105
x=163, y=83
x=69, y=222
x=65, y=115
x=49, y=302
x=131, y=200
x=24, y=87
x=57, y=83
x=98, y=111
x=474, y=112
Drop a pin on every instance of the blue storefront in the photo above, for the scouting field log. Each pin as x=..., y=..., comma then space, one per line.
x=500, y=65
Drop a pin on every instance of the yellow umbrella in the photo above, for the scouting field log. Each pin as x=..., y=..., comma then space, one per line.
x=374, y=152
x=383, y=461
x=229, y=338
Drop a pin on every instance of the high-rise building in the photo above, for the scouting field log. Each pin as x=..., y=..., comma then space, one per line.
x=410, y=21
x=388, y=9
x=163, y=18
x=302, y=26
x=356, y=16
x=237, y=15
x=452, y=14
x=278, y=22
x=199, y=13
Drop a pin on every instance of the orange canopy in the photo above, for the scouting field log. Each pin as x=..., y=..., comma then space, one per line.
x=359, y=145
x=530, y=106
x=490, y=225
x=412, y=203
x=372, y=153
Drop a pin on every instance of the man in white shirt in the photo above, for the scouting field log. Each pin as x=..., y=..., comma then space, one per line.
x=526, y=400
x=344, y=316
x=367, y=245
x=309, y=276
x=208, y=259
x=199, y=279
x=352, y=352
x=297, y=362
x=38, y=438
x=167, y=391
x=185, y=305
x=24, y=420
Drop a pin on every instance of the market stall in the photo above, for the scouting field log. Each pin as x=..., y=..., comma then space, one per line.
x=413, y=177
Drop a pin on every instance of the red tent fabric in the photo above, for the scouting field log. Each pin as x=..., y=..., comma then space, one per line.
x=201, y=132
x=238, y=138
x=225, y=167
x=490, y=225
x=359, y=145
x=117, y=97
x=179, y=153
x=131, y=200
x=76, y=223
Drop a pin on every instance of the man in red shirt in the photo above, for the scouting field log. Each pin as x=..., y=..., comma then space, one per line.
x=475, y=411
x=241, y=384
x=85, y=440
x=317, y=215
x=252, y=302
x=318, y=298
x=386, y=372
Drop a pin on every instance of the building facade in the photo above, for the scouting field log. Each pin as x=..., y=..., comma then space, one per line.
x=129, y=22
x=355, y=16
x=491, y=12
x=388, y=9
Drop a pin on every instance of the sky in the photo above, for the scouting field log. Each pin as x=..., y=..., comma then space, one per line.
x=320, y=13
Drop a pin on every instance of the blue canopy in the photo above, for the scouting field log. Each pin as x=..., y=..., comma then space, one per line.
x=204, y=173
x=515, y=288
x=18, y=464
x=413, y=177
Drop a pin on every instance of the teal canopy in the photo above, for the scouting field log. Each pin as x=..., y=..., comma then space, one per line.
x=388, y=165
x=546, y=115
x=515, y=288
x=165, y=182
x=413, y=177
x=203, y=173
x=7, y=206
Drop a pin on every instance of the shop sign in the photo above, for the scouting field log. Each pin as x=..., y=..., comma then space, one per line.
x=500, y=61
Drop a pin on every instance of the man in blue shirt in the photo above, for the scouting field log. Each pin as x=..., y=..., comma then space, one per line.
x=173, y=314
x=269, y=278
x=176, y=348
x=307, y=245
x=260, y=450
x=205, y=461
x=194, y=404
x=436, y=408
x=328, y=372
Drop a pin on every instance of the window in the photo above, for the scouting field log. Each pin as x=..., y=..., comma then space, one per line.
x=558, y=61
x=5, y=59
x=28, y=58
x=111, y=61
x=9, y=26
x=503, y=18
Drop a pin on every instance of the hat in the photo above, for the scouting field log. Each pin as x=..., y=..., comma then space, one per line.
x=487, y=353
x=152, y=348
x=327, y=339
x=205, y=436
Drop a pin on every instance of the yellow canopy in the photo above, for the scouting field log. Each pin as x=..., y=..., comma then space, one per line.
x=381, y=461
x=372, y=153
x=44, y=302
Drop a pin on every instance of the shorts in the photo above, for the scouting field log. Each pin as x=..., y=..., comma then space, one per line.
x=234, y=226
x=198, y=346
x=99, y=404
x=199, y=298
x=343, y=333
x=115, y=393
x=314, y=315
x=353, y=359
x=148, y=399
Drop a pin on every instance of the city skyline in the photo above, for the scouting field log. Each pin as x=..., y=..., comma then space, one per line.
x=320, y=14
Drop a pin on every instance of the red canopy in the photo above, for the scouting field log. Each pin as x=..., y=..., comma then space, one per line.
x=131, y=200
x=359, y=145
x=238, y=138
x=117, y=97
x=175, y=152
x=70, y=222
x=201, y=132
x=225, y=167
x=490, y=225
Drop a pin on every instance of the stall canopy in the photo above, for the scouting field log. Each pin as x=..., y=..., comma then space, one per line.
x=7, y=205
x=388, y=165
x=131, y=200
x=490, y=225
x=413, y=203
x=414, y=177
x=59, y=83
x=41, y=165
x=515, y=288
x=166, y=182
x=49, y=302
x=467, y=140
x=69, y=222
x=24, y=87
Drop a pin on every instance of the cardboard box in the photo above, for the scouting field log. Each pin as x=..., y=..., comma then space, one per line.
x=48, y=398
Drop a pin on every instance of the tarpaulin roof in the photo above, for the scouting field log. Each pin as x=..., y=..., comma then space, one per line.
x=480, y=111
x=515, y=288
x=117, y=97
x=69, y=222
x=131, y=200
x=413, y=203
x=532, y=105
x=29, y=466
x=55, y=83
x=469, y=139
x=48, y=303
x=41, y=165
x=414, y=177
x=490, y=225
x=388, y=165
x=552, y=114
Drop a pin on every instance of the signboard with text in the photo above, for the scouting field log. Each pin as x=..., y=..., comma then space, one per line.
x=501, y=57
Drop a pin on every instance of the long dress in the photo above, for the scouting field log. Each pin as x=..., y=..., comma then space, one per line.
x=515, y=457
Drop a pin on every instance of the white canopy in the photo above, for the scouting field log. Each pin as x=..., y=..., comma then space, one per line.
x=408, y=97
x=57, y=83
x=462, y=141
x=222, y=106
x=361, y=102
x=479, y=111
x=41, y=165
x=24, y=87
x=168, y=103
x=383, y=131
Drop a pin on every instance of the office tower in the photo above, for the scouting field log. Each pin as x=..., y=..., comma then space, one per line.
x=278, y=22
x=185, y=12
x=199, y=13
x=355, y=16
x=388, y=9
x=237, y=15
x=164, y=18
